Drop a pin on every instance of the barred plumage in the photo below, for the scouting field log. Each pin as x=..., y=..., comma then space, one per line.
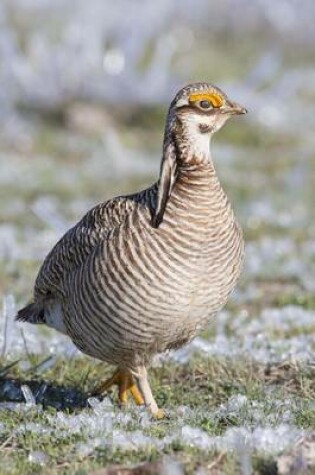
x=143, y=273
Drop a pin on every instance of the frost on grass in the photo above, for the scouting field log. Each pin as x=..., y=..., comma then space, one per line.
x=103, y=426
x=38, y=457
x=28, y=395
x=264, y=440
x=282, y=258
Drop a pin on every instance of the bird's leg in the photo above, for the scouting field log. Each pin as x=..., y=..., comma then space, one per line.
x=125, y=382
x=141, y=377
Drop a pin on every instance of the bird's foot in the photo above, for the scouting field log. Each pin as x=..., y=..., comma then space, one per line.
x=126, y=385
x=159, y=415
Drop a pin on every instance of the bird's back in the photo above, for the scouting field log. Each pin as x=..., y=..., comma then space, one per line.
x=72, y=251
x=74, y=248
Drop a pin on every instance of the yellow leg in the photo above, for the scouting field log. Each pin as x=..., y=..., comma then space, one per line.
x=125, y=382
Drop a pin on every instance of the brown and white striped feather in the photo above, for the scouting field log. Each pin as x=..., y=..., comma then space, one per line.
x=126, y=290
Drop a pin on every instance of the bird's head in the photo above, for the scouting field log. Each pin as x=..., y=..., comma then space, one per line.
x=198, y=111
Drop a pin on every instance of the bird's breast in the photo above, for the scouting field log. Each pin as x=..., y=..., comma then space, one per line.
x=152, y=288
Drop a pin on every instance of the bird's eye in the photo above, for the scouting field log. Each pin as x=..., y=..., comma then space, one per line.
x=205, y=104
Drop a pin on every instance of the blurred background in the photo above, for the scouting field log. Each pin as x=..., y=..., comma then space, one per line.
x=84, y=89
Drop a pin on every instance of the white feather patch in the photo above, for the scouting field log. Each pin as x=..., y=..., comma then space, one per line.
x=54, y=317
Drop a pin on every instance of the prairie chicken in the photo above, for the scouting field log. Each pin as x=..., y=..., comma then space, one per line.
x=143, y=273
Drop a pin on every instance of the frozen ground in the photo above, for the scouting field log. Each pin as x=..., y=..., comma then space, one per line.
x=241, y=396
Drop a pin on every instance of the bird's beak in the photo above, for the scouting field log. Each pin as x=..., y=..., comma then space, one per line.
x=234, y=108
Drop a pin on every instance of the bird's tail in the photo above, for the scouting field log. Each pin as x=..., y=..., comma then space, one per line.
x=32, y=313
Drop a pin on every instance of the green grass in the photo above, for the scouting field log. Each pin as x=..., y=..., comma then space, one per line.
x=203, y=387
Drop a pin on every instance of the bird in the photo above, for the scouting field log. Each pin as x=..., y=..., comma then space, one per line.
x=144, y=273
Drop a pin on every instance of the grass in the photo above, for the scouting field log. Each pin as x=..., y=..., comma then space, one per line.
x=203, y=387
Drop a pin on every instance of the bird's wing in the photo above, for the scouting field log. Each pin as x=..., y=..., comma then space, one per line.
x=77, y=244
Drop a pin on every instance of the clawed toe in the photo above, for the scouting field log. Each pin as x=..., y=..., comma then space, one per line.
x=160, y=414
x=126, y=386
x=135, y=384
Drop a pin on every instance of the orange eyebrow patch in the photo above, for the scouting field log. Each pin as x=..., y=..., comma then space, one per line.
x=215, y=99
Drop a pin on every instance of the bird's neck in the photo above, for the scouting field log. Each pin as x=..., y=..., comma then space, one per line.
x=193, y=165
x=193, y=153
x=187, y=177
x=198, y=180
x=196, y=177
x=192, y=145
